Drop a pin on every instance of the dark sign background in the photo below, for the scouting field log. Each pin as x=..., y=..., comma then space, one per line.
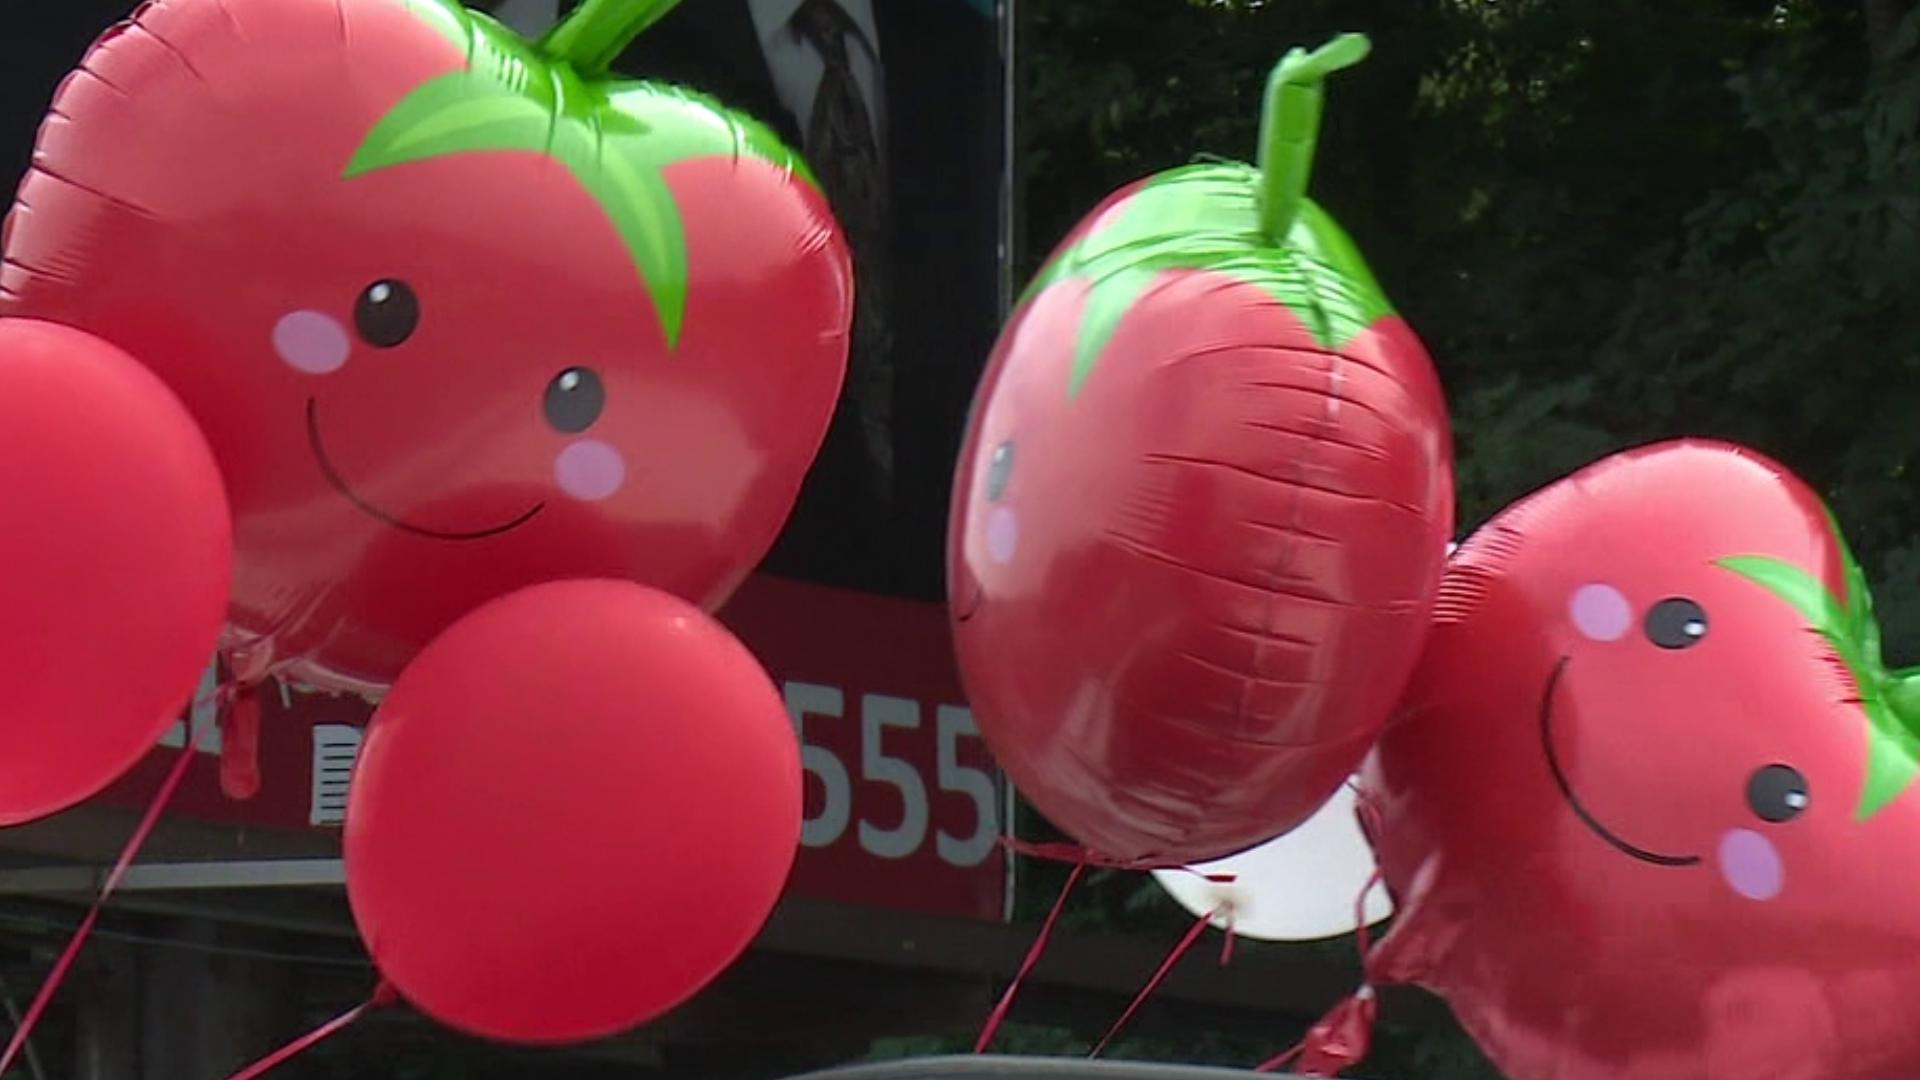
x=874, y=511
x=903, y=802
x=40, y=41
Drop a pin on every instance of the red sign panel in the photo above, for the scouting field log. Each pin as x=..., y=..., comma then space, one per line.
x=903, y=807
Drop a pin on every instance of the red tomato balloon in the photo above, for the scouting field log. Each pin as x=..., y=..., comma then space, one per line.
x=1198, y=521
x=433, y=317
x=1649, y=811
x=113, y=564
x=575, y=809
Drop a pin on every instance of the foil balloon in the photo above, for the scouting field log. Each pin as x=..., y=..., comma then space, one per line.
x=575, y=808
x=457, y=312
x=113, y=564
x=1650, y=809
x=1198, y=516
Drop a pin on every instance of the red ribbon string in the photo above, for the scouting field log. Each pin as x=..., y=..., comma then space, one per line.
x=1166, y=967
x=1341, y=1038
x=383, y=995
x=1026, y=966
x=1280, y=1061
x=1363, y=937
x=1075, y=855
x=81, y=933
x=1339, y=1041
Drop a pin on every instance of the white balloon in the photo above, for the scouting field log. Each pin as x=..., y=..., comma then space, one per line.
x=1301, y=886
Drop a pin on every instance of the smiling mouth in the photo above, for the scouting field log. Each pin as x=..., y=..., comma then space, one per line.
x=340, y=484
x=973, y=605
x=1573, y=801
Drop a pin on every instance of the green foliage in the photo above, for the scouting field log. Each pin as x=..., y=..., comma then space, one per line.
x=1612, y=220
x=1784, y=312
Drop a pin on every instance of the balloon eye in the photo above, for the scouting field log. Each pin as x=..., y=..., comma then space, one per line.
x=386, y=314
x=1676, y=623
x=575, y=398
x=1777, y=793
x=1000, y=471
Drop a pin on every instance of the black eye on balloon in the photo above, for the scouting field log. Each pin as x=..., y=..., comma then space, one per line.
x=575, y=399
x=999, y=471
x=1676, y=623
x=1778, y=793
x=386, y=314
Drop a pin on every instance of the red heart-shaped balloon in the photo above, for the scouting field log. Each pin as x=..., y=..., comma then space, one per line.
x=458, y=313
x=1648, y=809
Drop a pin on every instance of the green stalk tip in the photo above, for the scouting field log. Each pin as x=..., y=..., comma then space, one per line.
x=598, y=31
x=1290, y=126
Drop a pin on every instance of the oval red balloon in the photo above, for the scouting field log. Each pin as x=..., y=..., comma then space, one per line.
x=1197, y=525
x=1649, y=810
x=575, y=809
x=439, y=359
x=114, y=564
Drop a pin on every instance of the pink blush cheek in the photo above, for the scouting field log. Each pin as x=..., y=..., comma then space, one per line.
x=1003, y=534
x=311, y=342
x=590, y=470
x=1751, y=865
x=1600, y=612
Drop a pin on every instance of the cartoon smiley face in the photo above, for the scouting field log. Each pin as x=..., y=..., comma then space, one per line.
x=1648, y=705
x=1028, y=447
x=385, y=317
x=439, y=360
x=1649, y=759
x=1775, y=793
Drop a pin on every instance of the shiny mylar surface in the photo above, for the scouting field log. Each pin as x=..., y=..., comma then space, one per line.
x=1648, y=811
x=1198, y=523
x=456, y=315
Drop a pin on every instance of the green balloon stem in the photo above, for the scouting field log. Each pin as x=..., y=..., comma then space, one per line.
x=598, y=31
x=1290, y=127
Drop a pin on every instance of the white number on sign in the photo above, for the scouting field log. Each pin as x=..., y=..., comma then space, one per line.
x=879, y=712
x=953, y=722
x=811, y=699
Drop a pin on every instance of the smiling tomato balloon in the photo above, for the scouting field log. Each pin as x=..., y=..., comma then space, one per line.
x=458, y=313
x=1201, y=510
x=1649, y=811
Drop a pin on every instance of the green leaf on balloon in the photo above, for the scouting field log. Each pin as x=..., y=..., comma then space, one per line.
x=1206, y=217
x=1893, y=743
x=615, y=138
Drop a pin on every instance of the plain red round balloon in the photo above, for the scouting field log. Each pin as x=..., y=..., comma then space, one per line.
x=114, y=564
x=1192, y=559
x=1650, y=809
x=437, y=360
x=576, y=808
